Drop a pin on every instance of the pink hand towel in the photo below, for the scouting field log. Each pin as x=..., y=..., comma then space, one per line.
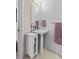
x=58, y=33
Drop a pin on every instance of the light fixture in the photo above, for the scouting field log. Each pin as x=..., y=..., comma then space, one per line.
x=36, y=2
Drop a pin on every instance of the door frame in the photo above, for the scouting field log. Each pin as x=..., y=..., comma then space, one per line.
x=19, y=21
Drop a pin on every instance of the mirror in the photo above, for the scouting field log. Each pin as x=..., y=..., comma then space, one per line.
x=37, y=19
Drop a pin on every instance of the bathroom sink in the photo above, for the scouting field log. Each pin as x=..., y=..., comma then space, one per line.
x=41, y=31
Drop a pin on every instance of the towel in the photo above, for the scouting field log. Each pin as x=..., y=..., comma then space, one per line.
x=37, y=23
x=43, y=23
x=58, y=33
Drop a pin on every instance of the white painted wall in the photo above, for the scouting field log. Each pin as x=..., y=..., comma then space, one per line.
x=17, y=22
x=24, y=24
x=26, y=21
x=51, y=10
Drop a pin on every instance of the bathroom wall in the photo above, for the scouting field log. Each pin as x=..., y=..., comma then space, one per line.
x=17, y=22
x=51, y=10
x=24, y=24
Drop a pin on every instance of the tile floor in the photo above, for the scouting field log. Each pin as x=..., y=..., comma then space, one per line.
x=16, y=54
x=46, y=55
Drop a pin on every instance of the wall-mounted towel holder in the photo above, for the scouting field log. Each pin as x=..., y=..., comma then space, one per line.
x=52, y=22
x=56, y=22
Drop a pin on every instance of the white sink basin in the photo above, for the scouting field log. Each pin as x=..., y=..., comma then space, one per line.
x=41, y=31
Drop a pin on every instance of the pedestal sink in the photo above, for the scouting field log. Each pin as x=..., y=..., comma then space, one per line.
x=41, y=32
